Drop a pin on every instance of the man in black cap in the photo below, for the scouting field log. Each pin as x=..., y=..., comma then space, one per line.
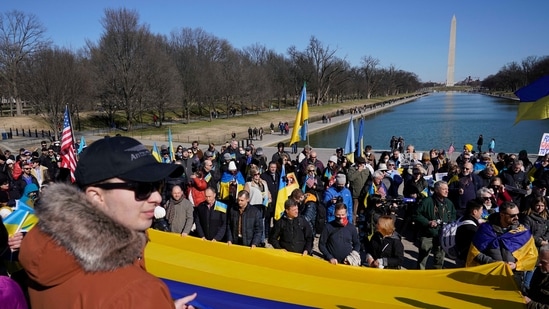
x=92, y=239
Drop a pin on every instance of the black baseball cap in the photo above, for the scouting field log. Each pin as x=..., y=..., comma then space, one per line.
x=121, y=157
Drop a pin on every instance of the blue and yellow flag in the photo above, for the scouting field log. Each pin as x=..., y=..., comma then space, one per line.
x=282, y=195
x=302, y=281
x=155, y=153
x=518, y=241
x=299, y=132
x=349, y=149
x=225, y=182
x=220, y=206
x=22, y=219
x=170, y=145
x=534, y=100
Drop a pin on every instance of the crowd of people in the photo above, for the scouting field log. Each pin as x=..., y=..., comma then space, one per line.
x=359, y=208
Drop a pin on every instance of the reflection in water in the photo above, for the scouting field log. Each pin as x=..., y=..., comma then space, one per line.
x=439, y=119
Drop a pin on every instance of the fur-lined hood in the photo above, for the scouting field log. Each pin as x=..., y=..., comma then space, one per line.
x=97, y=242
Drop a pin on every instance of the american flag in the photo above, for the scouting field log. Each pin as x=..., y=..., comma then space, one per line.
x=68, y=158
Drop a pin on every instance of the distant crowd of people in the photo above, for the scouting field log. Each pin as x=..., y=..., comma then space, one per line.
x=358, y=206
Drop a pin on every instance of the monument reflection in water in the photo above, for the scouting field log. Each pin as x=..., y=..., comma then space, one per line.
x=439, y=119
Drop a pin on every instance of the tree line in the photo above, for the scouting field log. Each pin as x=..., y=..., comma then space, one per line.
x=188, y=72
x=515, y=75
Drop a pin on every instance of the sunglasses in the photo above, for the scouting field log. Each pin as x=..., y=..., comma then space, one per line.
x=142, y=190
x=511, y=215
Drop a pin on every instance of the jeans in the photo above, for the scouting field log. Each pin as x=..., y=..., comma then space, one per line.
x=427, y=245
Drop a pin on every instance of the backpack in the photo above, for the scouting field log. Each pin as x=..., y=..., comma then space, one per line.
x=448, y=236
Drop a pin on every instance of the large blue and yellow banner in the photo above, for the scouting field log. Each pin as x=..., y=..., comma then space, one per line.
x=239, y=277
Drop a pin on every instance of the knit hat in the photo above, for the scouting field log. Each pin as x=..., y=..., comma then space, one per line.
x=341, y=179
x=333, y=159
x=227, y=156
x=468, y=147
x=232, y=166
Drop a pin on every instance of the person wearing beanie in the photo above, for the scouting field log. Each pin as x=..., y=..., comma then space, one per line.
x=329, y=174
x=338, y=193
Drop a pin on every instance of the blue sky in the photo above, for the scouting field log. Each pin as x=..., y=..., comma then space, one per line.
x=410, y=35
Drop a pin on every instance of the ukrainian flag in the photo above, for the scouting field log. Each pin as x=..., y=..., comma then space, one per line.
x=299, y=133
x=155, y=153
x=518, y=241
x=282, y=195
x=349, y=149
x=22, y=219
x=237, y=277
x=170, y=145
x=534, y=100
x=220, y=206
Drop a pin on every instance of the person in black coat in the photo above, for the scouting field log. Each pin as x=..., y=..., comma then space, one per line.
x=292, y=232
x=248, y=232
x=272, y=177
x=385, y=248
x=210, y=218
x=466, y=231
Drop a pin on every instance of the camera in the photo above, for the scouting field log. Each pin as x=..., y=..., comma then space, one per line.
x=337, y=199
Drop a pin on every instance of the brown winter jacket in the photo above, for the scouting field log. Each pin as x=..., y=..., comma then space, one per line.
x=77, y=257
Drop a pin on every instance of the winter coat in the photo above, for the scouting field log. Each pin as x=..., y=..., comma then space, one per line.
x=210, y=223
x=333, y=193
x=426, y=212
x=337, y=241
x=180, y=215
x=78, y=257
x=251, y=226
x=539, y=290
x=197, y=190
x=295, y=235
x=538, y=226
x=389, y=248
x=464, y=236
x=357, y=180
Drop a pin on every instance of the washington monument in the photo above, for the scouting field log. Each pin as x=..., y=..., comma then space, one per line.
x=451, y=54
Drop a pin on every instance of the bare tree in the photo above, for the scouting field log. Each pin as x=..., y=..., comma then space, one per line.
x=198, y=57
x=119, y=62
x=21, y=36
x=371, y=74
x=53, y=80
x=320, y=64
x=162, y=79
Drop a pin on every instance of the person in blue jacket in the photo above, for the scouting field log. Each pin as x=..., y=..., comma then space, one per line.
x=338, y=193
